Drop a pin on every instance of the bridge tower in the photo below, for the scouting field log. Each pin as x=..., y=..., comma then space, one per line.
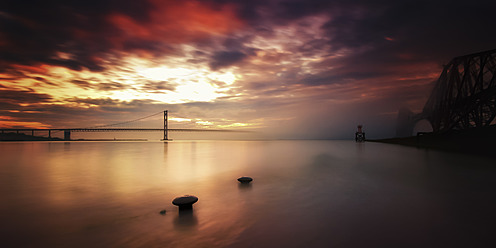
x=67, y=134
x=166, y=127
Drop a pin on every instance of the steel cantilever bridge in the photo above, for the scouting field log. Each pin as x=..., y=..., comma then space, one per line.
x=464, y=96
x=115, y=128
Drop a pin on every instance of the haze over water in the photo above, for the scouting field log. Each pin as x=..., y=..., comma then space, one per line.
x=304, y=194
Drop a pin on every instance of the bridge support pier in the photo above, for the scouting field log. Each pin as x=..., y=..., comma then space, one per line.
x=67, y=134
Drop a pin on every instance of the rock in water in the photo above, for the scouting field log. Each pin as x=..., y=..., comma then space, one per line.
x=185, y=202
x=245, y=179
x=162, y=212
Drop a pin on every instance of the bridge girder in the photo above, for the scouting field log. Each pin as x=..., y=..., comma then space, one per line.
x=464, y=95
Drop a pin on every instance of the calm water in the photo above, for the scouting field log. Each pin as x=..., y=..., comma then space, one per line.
x=304, y=194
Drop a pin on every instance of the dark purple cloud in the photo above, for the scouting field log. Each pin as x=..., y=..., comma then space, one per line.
x=34, y=32
x=158, y=86
x=426, y=30
x=226, y=58
x=23, y=96
x=112, y=86
x=82, y=84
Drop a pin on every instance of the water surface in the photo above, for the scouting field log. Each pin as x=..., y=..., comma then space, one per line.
x=304, y=194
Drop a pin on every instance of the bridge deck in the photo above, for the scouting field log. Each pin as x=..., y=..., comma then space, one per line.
x=117, y=130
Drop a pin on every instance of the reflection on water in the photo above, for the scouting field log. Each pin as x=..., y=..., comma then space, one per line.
x=304, y=194
x=185, y=220
x=245, y=186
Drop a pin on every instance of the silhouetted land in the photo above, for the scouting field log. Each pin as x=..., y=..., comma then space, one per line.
x=24, y=137
x=479, y=141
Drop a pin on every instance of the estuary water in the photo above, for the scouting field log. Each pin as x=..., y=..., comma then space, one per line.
x=304, y=194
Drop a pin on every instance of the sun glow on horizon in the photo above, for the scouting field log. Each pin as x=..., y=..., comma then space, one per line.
x=191, y=84
x=134, y=79
x=165, y=73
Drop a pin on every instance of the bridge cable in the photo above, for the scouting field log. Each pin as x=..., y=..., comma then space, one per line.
x=124, y=122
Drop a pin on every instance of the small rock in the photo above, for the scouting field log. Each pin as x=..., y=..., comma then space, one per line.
x=185, y=202
x=245, y=179
x=162, y=212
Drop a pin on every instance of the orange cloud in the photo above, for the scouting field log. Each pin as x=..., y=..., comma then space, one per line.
x=177, y=22
x=41, y=69
x=6, y=117
x=22, y=124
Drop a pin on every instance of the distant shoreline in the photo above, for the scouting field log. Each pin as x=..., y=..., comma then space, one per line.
x=477, y=141
x=25, y=137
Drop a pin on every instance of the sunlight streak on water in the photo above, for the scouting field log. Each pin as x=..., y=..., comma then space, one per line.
x=304, y=193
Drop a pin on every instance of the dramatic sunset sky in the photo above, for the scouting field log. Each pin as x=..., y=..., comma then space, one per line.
x=296, y=69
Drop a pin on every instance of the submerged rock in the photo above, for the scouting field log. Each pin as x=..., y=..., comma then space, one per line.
x=245, y=179
x=185, y=202
x=162, y=212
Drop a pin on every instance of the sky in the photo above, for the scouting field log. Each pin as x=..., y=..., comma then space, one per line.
x=308, y=69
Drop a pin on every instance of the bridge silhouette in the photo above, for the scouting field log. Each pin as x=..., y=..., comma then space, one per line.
x=463, y=97
x=115, y=127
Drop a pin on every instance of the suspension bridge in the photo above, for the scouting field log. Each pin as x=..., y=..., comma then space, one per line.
x=117, y=127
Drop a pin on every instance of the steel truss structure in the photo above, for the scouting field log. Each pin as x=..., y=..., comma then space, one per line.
x=464, y=95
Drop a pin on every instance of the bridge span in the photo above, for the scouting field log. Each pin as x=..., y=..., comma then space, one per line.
x=106, y=128
x=463, y=97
